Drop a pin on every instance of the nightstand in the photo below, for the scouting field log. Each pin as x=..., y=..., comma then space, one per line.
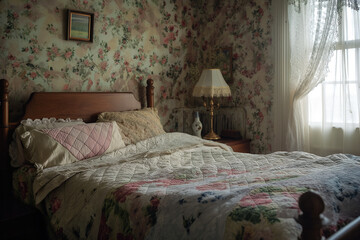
x=238, y=145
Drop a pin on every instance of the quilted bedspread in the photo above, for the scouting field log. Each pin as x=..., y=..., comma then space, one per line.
x=177, y=186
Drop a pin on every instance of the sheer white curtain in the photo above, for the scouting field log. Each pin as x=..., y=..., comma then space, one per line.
x=312, y=31
x=280, y=43
x=334, y=104
x=308, y=32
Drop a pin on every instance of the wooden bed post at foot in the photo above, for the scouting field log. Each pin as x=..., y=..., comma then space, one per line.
x=150, y=93
x=312, y=205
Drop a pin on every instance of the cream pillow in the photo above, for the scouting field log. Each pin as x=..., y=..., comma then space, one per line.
x=135, y=125
x=16, y=150
x=58, y=146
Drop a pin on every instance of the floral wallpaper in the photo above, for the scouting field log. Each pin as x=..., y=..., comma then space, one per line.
x=169, y=41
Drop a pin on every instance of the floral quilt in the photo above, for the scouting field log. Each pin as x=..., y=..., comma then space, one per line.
x=177, y=186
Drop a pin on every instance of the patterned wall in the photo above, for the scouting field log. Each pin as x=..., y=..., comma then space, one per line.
x=169, y=41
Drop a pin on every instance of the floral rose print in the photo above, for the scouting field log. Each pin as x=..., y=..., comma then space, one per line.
x=55, y=204
x=121, y=193
x=152, y=209
x=213, y=186
x=254, y=200
x=165, y=40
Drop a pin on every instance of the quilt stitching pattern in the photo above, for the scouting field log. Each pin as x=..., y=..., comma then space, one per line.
x=257, y=193
x=85, y=140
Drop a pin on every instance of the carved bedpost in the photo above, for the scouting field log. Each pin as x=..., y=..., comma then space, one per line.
x=4, y=135
x=4, y=124
x=150, y=93
x=312, y=205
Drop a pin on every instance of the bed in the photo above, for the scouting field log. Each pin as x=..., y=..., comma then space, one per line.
x=143, y=183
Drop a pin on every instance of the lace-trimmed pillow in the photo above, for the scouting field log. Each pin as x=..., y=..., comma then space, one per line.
x=16, y=150
x=50, y=147
x=135, y=125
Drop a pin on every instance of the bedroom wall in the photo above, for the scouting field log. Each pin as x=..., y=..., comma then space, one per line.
x=168, y=41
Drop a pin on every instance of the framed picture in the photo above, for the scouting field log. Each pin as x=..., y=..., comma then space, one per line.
x=80, y=26
x=221, y=58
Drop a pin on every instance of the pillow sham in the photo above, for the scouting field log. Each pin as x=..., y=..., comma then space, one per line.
x=135, y=125
x=50, y=147
x=16, y=150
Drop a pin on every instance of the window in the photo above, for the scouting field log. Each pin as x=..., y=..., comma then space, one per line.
x=335, y=102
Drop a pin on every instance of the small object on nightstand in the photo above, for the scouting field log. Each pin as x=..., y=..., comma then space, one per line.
x=197, y=125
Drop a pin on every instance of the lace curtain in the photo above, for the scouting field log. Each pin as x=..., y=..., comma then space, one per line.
x=354, y=4
x=307, y=30
x=312, y=32
x=334, y=104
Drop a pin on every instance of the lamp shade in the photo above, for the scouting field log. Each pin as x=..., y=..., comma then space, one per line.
x=211, y=84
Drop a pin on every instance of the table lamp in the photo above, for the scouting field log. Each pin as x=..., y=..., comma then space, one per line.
x=211, y=84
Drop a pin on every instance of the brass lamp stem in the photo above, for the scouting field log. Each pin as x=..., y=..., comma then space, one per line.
x=211, y=135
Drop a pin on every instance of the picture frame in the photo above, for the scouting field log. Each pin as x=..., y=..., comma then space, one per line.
x=80, y=26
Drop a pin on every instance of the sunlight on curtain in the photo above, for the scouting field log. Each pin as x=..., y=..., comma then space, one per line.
x=334, y=104
x=306, y=38
x=312, y=32
x=280, y=54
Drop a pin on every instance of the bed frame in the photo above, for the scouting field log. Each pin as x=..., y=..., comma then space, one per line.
x=87, y=105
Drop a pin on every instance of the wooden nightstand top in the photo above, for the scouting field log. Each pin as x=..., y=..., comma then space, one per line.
x=238, y=145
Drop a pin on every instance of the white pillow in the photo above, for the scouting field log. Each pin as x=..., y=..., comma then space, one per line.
x=16, y=150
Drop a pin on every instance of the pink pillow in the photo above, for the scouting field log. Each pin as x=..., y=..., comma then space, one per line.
x=57, y=146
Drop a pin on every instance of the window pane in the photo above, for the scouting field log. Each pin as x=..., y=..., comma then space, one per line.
x=343, y=66
x=315, y=106
x=350, y=64
x=349, y=17
x=352, y=109
x=335, y=102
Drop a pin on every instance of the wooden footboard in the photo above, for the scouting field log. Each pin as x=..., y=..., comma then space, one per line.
x=311, y=220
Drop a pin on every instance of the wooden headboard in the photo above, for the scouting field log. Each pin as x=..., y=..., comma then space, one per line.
x=85, y=105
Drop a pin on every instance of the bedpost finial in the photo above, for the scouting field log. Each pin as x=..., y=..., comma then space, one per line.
x=4, y=92
x=150, y=82
x=4, y=85
x=150, y=93
x=311, y=204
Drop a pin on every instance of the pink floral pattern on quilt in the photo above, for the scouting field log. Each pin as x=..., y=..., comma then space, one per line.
x=83, y=140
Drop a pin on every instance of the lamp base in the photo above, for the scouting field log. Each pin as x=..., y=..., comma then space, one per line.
x=212, y=136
